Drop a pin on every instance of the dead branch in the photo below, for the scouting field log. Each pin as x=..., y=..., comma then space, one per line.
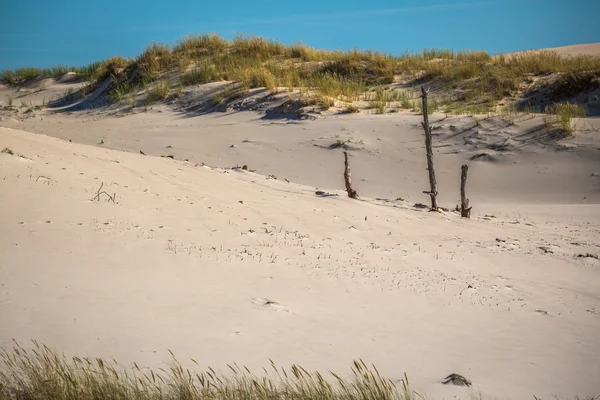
x=465, y=210
x=351, y=192
x=102, y=192
x=433, y=187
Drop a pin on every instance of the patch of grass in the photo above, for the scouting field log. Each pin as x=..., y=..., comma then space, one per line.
x=336, y=86
x=433, y=105
x=8, y=150
x=9, y=101
x=561, y=115
x=155, y=59
x=256, y=78
x=120, y=92
x=204, y=72
x=57, y=70
x=196, y=46
x=7, y=76
x=29, y=73
x=379, y=106
x=324, y=101
x=41, y=373
x=159, y=91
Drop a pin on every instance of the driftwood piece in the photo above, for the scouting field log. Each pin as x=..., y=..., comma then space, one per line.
x=457, y=380
x=427, y=128
x=465, y=210
x=351, y=192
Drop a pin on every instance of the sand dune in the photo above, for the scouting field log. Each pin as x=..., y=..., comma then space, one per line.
x=130, y=227
x=590, y=49
x=227, y=265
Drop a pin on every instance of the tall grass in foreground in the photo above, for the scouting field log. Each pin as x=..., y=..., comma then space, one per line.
x=40, y=373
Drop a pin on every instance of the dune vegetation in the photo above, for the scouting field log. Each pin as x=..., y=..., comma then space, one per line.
x=463, y=81
x=40, y=373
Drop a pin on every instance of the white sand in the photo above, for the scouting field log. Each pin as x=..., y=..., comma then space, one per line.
x=229, y=266
x=592, y=49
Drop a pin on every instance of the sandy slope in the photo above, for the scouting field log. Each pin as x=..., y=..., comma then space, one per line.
x=522, y=164
x=227, y=265
x=592, y=49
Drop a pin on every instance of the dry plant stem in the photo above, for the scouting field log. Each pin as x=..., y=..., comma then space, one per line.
x=433, y=186
x=101, y=192
x=351, y=192
x=465, y=210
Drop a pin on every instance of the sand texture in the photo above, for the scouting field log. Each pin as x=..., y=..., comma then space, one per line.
x=123, y=237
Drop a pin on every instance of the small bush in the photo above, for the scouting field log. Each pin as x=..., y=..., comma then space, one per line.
x=8, y=150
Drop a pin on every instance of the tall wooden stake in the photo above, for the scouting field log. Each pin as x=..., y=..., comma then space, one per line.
x=433, y=187
x=351, y=192
x=465, y=210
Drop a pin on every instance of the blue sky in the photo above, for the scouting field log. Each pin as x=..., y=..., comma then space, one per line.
x=42, y=33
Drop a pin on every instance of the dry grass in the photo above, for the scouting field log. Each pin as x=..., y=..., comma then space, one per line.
x=159, y=91
x=474, y=78
x=561, y=116
x=40, y=373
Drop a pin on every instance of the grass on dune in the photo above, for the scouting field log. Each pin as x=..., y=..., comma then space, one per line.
x=159, y=91
x=561, y=115
x=478, y=78
x=39, y=373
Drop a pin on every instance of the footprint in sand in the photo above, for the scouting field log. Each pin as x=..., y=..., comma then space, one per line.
x=269, y=304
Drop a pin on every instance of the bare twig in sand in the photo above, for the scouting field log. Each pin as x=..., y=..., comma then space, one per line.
x=44, y=179
x=101, y=192
x=465, y=210
x=433, y=187
x=351, y=192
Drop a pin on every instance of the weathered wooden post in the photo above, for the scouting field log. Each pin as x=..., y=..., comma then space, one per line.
x=433, y=187
x=465, y=210
x=351, y=192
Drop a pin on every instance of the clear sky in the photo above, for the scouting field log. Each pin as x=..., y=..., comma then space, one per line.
x=76, y=32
